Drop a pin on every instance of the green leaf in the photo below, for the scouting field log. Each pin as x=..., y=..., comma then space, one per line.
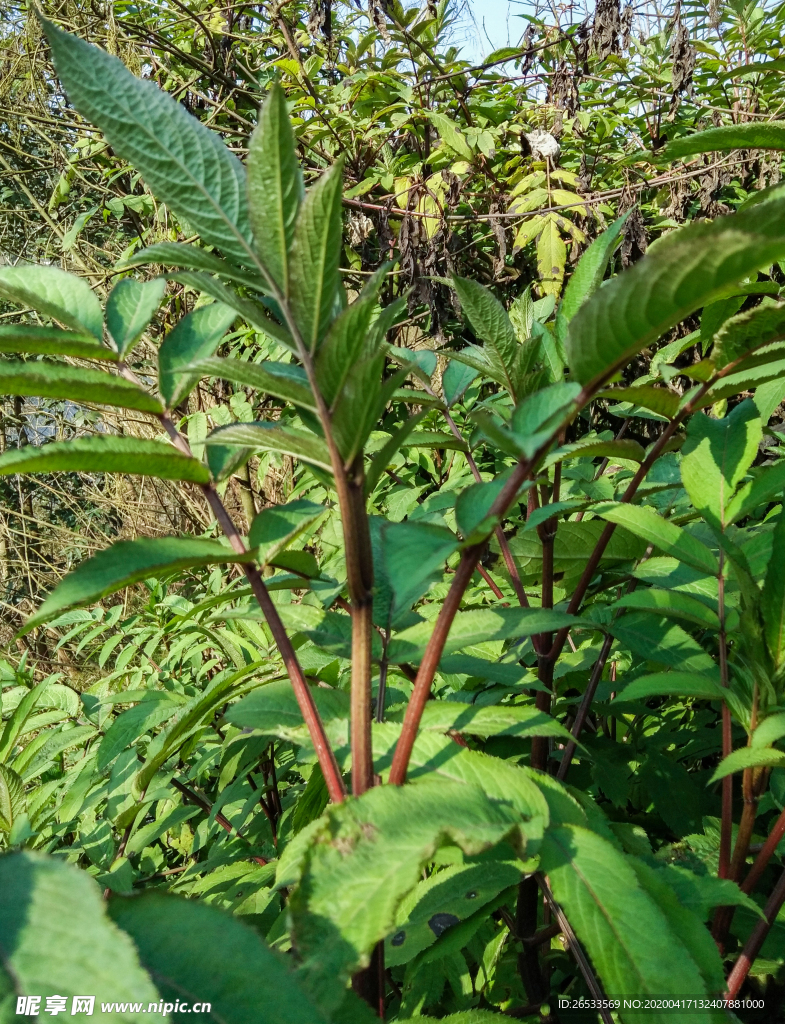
x=663, y=642
x=498, y=720
x=628, y=937
x=344, y=904
x=282, y=380
x=191, y=257
x=490, y=322
x=124, y=564
x=224, y=460
x=647, y=524
x=314, y=258
x=685, y=924
x=12, y=798
x=273, y=710
x=157, y=706
x=755, y=135
x=572, y=547
x=455, y=380
x=49, y=910
x=716, y=457
x=591, y=447
x=771, y=729
x=104, y=453
x=55, y=293
x=588, y=274
x=38, y=756
x=672, y=684
x=408, y=557
x=748, y=331
x=344, y=345
x=458, y=891
x=51, y=341
x=275, y=187
x=451, y=135
x=15, y=724
x=685, y=271
x=76, y=383
x=477, y=625
x=383, y=457
x=130, y=307
x=768, y=482
x=551, y=257
x=197, y=953
x=253, y=312
x=272, y=438
x=701, y=893
x=194, y=338
x=186, y=165
x=193, y=717
x=472, y=507
x=673, y=791
x=148, y=834
x=277, y=527
x=539, y=416
x=748, y=757
x=673, y=605
x=660, y=400
x=773, y=598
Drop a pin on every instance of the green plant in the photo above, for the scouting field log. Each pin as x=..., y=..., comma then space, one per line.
x=445, y=880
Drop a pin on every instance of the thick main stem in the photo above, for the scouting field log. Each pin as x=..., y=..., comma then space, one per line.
x=359, y=564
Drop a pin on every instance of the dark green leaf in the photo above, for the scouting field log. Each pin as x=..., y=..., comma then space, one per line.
x=685, y=271
x=191, y=257
x=104, y=453
x=755, y=135
x=253, y=312
x=282, y=380
x=477, y=625
x=275, y=188
x=628, y=937
x=130, y=307
x=156, y=707
x=57, y=380
x=647, y=524
x=455, y=380
x=125, y=563
x=588, y=274
x=194, y=338
x=53, y=292
x=748, y=757
x=51, y=341
x=197, y=953
x=748, y=331
x=716, y=457
x=186, y=165
x=663, y=642
x=314, y=258
x=49, y=909
x=411, y=556
x=658, y=400
x=270, y=437
x=275, y=528
x=490, y=322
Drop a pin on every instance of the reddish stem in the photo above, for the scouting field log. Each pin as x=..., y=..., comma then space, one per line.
x=754, y=943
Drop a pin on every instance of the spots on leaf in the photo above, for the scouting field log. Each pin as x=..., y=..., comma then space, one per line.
x=439, y=923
